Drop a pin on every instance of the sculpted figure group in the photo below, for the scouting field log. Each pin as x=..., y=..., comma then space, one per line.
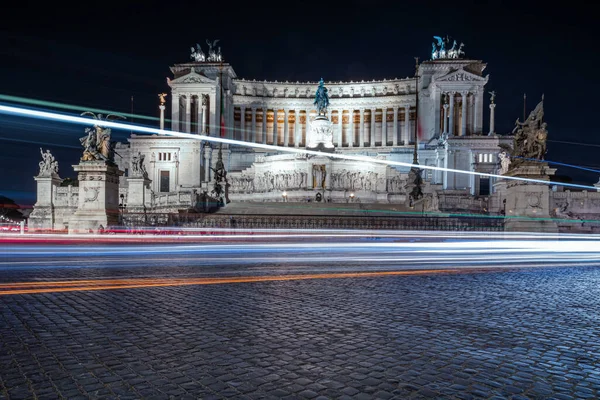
x=97, y=144
x=48, y=165
x=530, y=137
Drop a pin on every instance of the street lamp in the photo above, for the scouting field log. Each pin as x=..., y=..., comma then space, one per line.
x=284, y=195
x=352, y=196
x=122, y=207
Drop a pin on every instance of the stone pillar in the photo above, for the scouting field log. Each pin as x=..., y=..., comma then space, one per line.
x=199, y=109
x=306, y=125
x=340, y=127
x=42, y=216
x=445, y=126
x=351, y=133
x=528, y=204
x=463, y=118
x=296, y=125
x=476, y=123
x=395, y=137
x=207, y=154
x=492, y=119
x=253, y=125
x=361, y=134
x=162, y=116
x=373, y=124
x=451, y=118
x=286, y=130
x=384, y=140
x=243, y=135
x=138, y=193
x=188, y=113
x=406, y=135
x=204, y=116
x=231, y=117
x=275, y=134
x=98, y=197
x=264, y=125
x=175, y=112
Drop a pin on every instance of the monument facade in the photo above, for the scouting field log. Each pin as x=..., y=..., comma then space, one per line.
x=374, y=119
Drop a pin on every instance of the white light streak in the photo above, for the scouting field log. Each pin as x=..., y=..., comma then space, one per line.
x=143, y=129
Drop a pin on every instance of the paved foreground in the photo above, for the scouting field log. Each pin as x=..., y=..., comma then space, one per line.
x=528, y=333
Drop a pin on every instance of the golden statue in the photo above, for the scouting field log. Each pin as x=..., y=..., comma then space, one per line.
x=162, y=98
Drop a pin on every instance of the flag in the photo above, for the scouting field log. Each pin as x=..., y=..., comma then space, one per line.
x=222, y=111
x=419, y=128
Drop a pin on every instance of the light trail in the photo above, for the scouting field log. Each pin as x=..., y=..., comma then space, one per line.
x=148, y=130
x=112, y=284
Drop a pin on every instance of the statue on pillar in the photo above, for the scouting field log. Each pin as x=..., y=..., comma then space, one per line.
x=137, y=166
x=97, y=145
x=162, y=97
x=530, y=137
x=321, y=99
x=48, y=165
x=220, y=189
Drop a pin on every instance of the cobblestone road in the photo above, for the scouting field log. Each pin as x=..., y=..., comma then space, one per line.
x=531, y=333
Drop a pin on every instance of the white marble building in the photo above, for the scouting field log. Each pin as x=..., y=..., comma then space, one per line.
x=371, y=118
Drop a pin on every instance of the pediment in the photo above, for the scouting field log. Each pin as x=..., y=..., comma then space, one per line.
x=460, y=75
x=193, y=77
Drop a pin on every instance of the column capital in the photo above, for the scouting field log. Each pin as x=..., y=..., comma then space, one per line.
x=395, y=108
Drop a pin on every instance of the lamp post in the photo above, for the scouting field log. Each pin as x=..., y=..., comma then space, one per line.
x=284, y=195
x=122, y=207
x=352, y=197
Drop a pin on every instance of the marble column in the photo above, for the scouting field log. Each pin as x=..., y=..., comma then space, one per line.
x=204, y=116
x=162, y=116
x=286, y=131
x=395, y=137
x=463, y=119
x=199, y=114
x=445, y=126
x=351, y=133
x=476, y=106
x=253, y=133
x=373, y=125
x=492, y=119
x=406, y=135
x=207, y=153
x=306, y=126
x=243, y=123
x=384, y=140
x=361, y=134
x=451, y=116
x=264, y=125
x=275, y=134
x=175, y=112
x=296, y=136
x=188, y=113
x=340, y=127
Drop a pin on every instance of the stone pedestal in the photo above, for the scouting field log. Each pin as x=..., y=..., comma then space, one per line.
x=98, y=197
x=528, y=203
x=138, y=193
x=320, y=135
x=42, y=216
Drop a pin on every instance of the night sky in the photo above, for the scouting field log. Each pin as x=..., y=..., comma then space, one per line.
x=99, y=54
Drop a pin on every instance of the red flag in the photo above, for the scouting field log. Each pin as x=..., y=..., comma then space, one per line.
x=419, y=128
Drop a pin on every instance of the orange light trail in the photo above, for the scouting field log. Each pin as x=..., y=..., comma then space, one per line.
x=111, y=284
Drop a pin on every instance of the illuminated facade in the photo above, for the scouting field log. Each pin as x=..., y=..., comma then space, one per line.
x=370, y=118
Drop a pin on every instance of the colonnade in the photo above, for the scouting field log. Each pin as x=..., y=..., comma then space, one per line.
x=287, y=126
x=466, y=119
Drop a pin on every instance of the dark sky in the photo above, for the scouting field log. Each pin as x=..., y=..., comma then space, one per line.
x=99, y=54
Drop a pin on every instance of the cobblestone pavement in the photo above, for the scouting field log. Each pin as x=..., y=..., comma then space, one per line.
x=529, y=333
